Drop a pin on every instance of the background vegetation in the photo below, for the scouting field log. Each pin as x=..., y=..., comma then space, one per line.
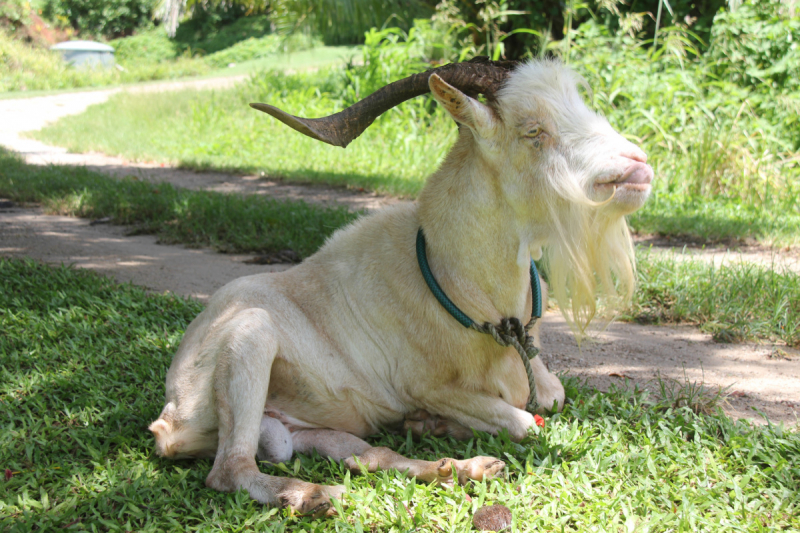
x=724, y=149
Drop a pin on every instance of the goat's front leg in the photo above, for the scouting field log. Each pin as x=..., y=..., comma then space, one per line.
x=357, y=454
x=456, y=409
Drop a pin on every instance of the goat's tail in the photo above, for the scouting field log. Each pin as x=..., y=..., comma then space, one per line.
x=179, y=439
x=164, y=433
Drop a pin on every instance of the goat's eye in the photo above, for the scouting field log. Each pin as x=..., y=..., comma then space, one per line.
x=534, y=132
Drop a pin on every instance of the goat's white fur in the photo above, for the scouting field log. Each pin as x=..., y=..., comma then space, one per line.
x=352, y=339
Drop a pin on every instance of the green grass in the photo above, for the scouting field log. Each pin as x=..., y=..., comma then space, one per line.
x=715, y=220
x=228, y=223
x=735, y=302
x=297, y=61
x=82, y=368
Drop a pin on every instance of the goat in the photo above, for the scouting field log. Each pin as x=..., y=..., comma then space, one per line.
x=352, y=340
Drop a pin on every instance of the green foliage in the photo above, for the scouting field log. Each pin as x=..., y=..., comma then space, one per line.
x=228, y=223
x=107, y=18
x=150, y=46
x=207, y=34
x=15, y=12
x=757, y=47
x=82, y=369
x=345, y=21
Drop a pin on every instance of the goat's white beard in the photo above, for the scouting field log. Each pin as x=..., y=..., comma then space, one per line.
x=589, y=258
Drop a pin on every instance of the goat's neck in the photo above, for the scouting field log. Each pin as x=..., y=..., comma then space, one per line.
x=478, y=247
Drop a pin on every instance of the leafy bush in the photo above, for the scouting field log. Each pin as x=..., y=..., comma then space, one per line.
x=151, y=46
x=205, y=34
x=107, y=18
x=757, y=46
x=14, y=12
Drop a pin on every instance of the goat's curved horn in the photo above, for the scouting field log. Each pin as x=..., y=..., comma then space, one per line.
x=476, y=76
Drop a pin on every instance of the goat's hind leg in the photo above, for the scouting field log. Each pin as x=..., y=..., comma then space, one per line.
x=248, y=346
x=357, y=453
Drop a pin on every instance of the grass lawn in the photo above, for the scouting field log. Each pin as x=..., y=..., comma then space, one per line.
x=82, y=368
x=296, y=61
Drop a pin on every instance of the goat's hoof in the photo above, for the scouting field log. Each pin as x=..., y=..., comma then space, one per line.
x=312, y=500
x=479, y=468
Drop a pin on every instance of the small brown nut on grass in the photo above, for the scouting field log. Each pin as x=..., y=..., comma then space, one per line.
x=492, y=518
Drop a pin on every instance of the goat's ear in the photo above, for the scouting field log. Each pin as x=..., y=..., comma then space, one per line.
x=463, y=109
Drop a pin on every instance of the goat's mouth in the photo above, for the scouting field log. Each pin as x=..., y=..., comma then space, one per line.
x=636, y=177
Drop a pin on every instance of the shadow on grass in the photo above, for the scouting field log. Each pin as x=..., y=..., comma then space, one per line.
x=378, y=183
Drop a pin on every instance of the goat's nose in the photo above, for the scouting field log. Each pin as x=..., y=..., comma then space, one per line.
x=635, y=153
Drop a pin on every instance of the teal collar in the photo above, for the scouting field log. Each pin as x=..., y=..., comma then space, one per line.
x=458, y=314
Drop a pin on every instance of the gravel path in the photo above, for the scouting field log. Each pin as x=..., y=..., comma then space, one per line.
x=764, y=378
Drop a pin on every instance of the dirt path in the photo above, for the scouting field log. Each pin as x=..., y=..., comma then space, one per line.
x=764, y=378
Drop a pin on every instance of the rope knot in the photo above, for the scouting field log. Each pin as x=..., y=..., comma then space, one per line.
x=511, y=332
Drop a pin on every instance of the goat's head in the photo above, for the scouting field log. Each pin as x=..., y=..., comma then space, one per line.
x=559, y=165
x=547, y=145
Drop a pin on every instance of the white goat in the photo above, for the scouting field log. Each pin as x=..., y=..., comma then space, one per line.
x=352, y=340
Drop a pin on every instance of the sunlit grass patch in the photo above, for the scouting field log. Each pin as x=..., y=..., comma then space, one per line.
x=736, y=301
x=712, y=220
x=218, y=129
x=82, y=369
